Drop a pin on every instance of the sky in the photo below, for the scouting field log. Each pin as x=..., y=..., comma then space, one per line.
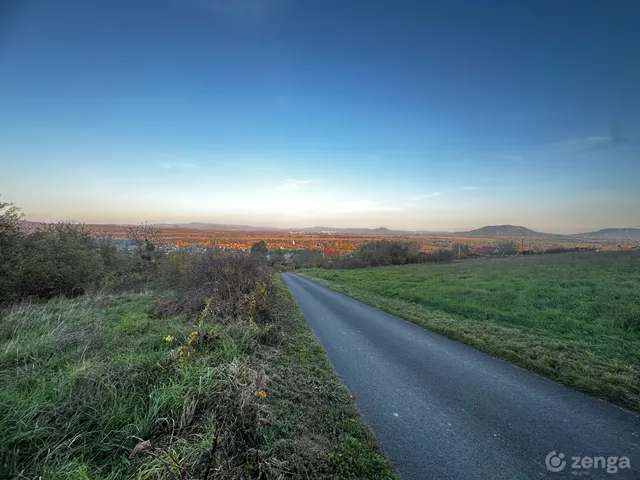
x=405, y=114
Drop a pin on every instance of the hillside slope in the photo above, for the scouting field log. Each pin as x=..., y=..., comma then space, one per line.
x=495, y=231
x=614, y=234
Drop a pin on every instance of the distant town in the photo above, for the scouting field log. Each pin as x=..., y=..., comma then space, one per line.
x=481, y=242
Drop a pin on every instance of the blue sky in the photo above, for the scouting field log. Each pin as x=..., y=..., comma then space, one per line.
x=411, y=114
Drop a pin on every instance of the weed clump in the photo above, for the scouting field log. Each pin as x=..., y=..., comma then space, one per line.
x=222, y=287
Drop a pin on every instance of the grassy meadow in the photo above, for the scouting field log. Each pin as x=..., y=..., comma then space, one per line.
x=101, y=387
x=573, y=317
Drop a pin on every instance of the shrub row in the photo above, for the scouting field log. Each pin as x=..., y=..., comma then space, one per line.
x=387, y=252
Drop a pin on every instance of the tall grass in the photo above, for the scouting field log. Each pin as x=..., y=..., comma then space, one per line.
x=81, y=383
x=87, y=380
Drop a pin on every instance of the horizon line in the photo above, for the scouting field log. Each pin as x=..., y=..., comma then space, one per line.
x=328, y=228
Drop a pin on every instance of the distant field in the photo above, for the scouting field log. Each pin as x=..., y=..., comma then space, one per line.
x=572, y=317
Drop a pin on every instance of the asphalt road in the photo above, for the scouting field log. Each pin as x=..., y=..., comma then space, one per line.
x=442, y=410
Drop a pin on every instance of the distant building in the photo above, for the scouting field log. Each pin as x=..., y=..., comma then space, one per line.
x=330, y=254
x=487, y=251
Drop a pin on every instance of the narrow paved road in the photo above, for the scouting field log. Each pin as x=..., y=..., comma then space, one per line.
x=444, y=410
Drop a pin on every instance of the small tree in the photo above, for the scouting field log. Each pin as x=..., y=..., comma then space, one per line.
x=259, y=249
x=10, y=221
x=147, y=239
x=276, y=258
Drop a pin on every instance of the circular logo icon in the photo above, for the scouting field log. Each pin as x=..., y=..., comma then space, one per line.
x=555, y=462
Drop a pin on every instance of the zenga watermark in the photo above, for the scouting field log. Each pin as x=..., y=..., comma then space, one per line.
x=558, y=461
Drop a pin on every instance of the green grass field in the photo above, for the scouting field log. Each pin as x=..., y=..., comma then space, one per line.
x=572, y=317
x=85, y=380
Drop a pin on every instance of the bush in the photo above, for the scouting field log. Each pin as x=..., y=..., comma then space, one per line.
x=11, y=236
x=218, y=285
x=569, y=249
x=260, y=249
x=307, y=258
x=63, y=259
x=442, y=255
x=60, y=259
x=386, y=252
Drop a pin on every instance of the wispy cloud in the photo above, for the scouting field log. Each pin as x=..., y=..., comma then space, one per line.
x=583, y=144
x=590, y=140
x=513, y=158
x=468, y=188
x=291, y=184
x=428, y=195
x=174, y=164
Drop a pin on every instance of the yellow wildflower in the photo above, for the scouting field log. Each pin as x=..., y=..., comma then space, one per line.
x=169, y=338
x=261, y=393
x=193, y=338
x=184, y=353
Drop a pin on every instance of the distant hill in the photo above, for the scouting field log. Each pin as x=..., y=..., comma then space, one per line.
x=613, y=234
x=248, y=228
x=509, y=231
x=609, y=235
x=515, y=231
x=213, y=226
